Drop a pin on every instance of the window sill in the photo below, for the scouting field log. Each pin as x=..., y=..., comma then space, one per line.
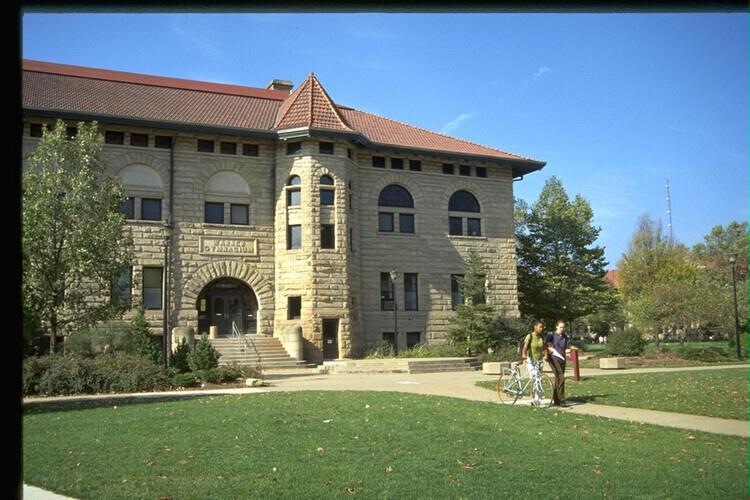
x=213, y=225
x=464, y=237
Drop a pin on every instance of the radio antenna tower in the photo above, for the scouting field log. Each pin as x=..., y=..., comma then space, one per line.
x=669, y=214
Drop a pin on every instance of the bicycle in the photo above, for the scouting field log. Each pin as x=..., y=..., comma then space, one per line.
x=512, y=386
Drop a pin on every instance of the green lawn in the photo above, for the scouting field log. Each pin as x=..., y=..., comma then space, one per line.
x=713, y=393
x=369, y=445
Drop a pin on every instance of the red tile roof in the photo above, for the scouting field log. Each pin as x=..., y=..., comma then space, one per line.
x=60, y=88
x=310, y=106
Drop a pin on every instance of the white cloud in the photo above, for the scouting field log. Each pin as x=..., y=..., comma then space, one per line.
x=452, y=126
x=541, y=72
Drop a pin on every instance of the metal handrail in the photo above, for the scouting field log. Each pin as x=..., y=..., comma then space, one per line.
x=245, y=342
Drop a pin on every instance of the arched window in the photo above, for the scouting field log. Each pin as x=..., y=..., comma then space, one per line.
x=463, y=201
x=145, y=192
x=395, y=196
x=293, y=191
x=327, y=191
x=227, y=193
x=458, y=224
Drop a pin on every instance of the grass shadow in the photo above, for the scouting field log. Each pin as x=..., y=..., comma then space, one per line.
x=34, y=407
x=588, y=398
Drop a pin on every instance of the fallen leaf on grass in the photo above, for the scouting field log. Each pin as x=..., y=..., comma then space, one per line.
x=350, y=490
x=691, y=438
x=389, y=469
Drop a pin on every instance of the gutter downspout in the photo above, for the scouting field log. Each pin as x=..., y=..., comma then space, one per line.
x=168, y=227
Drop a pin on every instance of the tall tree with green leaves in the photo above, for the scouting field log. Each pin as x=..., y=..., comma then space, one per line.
x=74, y=241
x=560, y=269
x=475, y=320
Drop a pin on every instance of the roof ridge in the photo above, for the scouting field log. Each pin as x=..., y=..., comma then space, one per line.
x=330, y=102
x=446, y=136
x=151, y=80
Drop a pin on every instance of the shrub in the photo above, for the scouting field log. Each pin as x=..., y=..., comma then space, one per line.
x=139, y=341
x=203, y=356
x=382, y=349
x=708, y=354
x=245, y=371
x=110, y=336
x=179, y=358
x=66, y=374
x=626, y=343
x=184, y=380
x=435, y=351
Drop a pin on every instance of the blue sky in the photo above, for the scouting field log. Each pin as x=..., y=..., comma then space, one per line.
x=614, y=103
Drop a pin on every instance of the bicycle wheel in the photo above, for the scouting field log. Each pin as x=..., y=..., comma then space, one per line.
x=508, y=387
x=547, y=388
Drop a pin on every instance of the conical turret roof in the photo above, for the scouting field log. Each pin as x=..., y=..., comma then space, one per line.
x=310, y=106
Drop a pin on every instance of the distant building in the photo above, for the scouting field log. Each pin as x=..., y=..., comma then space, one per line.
x=611, y=277
x=289, y=211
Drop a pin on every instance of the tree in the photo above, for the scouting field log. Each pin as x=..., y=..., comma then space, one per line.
x=665, y=286
x=560, y=271
x=474, y=322
x=74, y=241
x=139, y=338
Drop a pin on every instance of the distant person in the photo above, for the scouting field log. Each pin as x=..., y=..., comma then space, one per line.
x=558, y=343
x=534, y=349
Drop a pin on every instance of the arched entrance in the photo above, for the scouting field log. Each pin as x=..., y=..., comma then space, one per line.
x=226, y=302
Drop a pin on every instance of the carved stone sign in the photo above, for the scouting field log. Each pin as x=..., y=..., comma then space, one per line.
x=227, y=246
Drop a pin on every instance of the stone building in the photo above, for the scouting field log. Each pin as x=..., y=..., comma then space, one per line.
x=275, y=211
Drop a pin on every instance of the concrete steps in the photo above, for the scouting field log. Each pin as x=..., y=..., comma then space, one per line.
x=401, y=365
x=271, y=351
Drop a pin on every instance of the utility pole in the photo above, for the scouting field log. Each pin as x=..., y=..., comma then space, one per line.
x=669, y=214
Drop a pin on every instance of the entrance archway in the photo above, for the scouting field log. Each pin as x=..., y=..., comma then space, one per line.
x=227, y=303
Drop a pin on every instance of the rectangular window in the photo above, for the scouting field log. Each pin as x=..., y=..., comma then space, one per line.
x=415, y=165
x=385, y=222
x=293, y=197
x=386, y=292
x=349, y=153
x=397, y=163
x=406, y=223
x=327, y=236
x=71, y=132
x=150, y=209
x=214, y=213
x=205, y=146
x=140, y=140
x=36, y=130
x=378, y=161
x=455, y=226
x=121, y=292
x=112, y=137
x=411, y=292
x=481, y=171
x=464, y=170
x=152, y=286
x=293, y=307
x=325, y=148
x=228, y=148
x=163, y=142
x=327, y=197
x=448, y=168
x=294, y=237
x=239, y=214
x=412, y=339
x=249, y=150
x=128, y=208
x=457, y=298
x=474, y=227
x=293, y=147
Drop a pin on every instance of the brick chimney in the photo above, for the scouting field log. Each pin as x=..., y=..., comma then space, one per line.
x=282, y=85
